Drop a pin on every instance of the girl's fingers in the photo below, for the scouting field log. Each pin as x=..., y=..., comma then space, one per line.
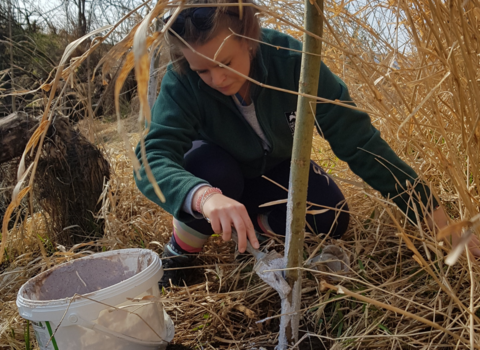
x=226, y=228
x=474, y=246
x=252, y=237
x=216, y=225
x=224, y=212
x=250, y=231
x=242, y=233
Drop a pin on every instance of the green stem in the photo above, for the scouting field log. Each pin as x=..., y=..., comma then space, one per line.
x=300, y=166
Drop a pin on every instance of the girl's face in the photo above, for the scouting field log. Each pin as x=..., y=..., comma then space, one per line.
x=234, y=53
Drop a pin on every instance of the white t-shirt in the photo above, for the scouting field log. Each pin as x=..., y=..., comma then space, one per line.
x=250, y=116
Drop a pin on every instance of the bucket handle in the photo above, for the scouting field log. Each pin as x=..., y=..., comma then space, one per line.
x=97, y=327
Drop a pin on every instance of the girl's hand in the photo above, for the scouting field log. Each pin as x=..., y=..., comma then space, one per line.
x=223, y=213
x=473, y=244
x=440, y=220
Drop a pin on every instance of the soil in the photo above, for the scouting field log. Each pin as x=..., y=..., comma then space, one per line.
x=311, y=343
x=4, y=266
x=314, y=343
x=194, y=276
x=177, y=347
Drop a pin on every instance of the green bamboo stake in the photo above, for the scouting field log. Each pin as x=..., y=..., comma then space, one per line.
x=297, y=196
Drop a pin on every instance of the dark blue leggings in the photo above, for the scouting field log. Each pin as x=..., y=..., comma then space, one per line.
x=220, y=169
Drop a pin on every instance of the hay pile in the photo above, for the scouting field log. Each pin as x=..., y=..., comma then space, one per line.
x=221, y=311
x=423, y=96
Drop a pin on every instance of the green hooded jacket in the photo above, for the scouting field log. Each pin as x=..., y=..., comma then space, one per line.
x=187, y=109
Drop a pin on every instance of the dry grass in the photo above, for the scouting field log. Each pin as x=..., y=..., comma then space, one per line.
x=423, y=96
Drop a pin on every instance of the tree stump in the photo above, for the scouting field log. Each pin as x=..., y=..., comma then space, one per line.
x=69, y=180
x=15, y=131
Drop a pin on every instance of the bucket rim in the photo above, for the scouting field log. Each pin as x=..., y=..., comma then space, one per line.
x=100, y=294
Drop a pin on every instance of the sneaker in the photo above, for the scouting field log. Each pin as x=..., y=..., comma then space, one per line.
x=265, y=232
x=173, y=259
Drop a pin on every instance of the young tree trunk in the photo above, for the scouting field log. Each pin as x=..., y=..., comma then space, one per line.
x=81, y=19
x=10, y=19
x=297, y=196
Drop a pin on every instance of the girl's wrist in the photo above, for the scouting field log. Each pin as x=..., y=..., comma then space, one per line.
x=197, y=197
x=205, y=197
x=202, y=195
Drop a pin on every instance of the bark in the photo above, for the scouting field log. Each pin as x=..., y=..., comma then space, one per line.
x=297, y=196
x=82, y=19
x=12, y=71
x=15, y=131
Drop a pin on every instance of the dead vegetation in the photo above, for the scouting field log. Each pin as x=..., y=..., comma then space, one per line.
x=71, y=173
x=419, y=84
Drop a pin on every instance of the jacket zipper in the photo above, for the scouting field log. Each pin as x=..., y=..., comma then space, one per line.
x=264, y=162
x=239, y=114
x=265, y=132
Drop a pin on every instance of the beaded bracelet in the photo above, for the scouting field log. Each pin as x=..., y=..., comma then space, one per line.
x=206, y=195
x=199, y=200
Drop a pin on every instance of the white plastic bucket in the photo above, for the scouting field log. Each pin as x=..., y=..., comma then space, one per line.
x=109, y=280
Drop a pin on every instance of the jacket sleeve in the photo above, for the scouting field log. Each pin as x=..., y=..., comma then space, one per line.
x=356, y=141
x=175, y=124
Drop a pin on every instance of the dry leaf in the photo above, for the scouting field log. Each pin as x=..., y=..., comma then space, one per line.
x=31, y=144
x=455, y=228
x=269, y=204
x=246, y=311
x=18, y=186
x=142, y=74
x=453, y=256
x=476, y=12
x=316, y=212
x=46, y=87
x=8, y=213
x=417, y=260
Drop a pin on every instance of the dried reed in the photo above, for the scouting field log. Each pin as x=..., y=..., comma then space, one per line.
x=420, y=83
